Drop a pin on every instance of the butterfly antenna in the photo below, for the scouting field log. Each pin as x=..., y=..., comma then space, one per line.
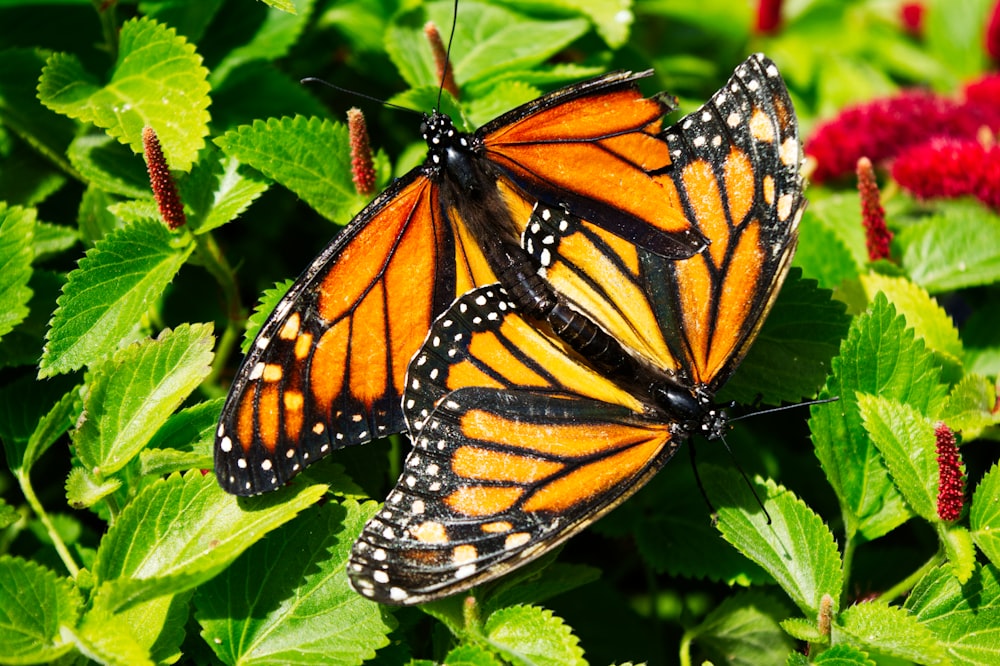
x=701, y=486
x=313, y=79
x=447, y=53
x=783, y=408
x=746, y=479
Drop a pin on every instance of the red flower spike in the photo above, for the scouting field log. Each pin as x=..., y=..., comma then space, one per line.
x=768, y=16
x=362, y=164
x=951, y=484
x=911, y=15
x=443, y=67
x=877, y=235
x=993, y=34
x=162, y=181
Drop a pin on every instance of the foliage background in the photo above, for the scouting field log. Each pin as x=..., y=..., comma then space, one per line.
x=119, y=338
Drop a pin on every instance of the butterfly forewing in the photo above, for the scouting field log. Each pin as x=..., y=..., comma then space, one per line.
x=734, y=173
x=580, y=148
x=328, y=367
x=531, y=447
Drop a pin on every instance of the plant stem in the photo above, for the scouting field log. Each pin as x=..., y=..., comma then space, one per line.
x=215, y=263
x=905, y=585
x=109, y=25
x=36, y=506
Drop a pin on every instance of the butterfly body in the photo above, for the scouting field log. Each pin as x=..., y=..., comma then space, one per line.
x=520, y=441
x=327, y=368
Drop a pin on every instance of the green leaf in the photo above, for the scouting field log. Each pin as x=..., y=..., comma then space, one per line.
x=803, y=630
x=150, y=632
x=743, y=631
x=17, y=229
x=24, y=404
x=964, y=617
x=35, y=605
x=94, y=217
x=842, y=655
x=928, y=319
x=190, y=428
x=958, y=547
x=471, y=655
x=879, y=357
x=529, y=635
x=131, y=395
x=46, y=132
x=268, y=301
x=180, y=532
x=157, y=81
x=489, y=41
x=113, y=287
x=957, y=249
x=791, y=356
x=822, y=254
x=51, y=427
x=546, y=581
x=83, y=489
x=272, y=38
x=984, y=515
x=288, y=600
x=109, y=165
x=8, y=514
x=675, y=534
x=905, y=439
x=52, y=239
x=969, y=408
x=889, y=630
x=184, y=442
x=797, y=549
x=218, y=191
x=311, y=157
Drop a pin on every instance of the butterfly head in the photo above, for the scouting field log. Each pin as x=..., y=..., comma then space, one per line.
x=694, y=409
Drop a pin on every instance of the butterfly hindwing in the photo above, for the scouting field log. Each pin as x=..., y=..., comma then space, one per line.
x=531, y=447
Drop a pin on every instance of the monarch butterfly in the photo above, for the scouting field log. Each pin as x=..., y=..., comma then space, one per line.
x=327, y=368
x=519, y=441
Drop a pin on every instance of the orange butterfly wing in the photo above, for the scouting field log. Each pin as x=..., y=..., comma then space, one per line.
x=527, y=446
x=327, y=369
x=735, y=174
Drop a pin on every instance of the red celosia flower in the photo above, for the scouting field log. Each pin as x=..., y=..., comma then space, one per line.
x=993, y=33
x=912, y=15
x=881, y=129
x=162, y=181
x=951, y=168
x=768, y=16
x=444, y=70
x=362, y=166
x=950, y=478
x=982, y=100
x=877, y=235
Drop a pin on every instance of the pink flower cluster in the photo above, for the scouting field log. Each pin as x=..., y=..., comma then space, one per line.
x=880, y=130
x=935, y=146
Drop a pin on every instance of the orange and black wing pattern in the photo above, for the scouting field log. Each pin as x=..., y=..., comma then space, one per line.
x=734, y=173
x=519, y=442
x=518, y=445
x=327, y=368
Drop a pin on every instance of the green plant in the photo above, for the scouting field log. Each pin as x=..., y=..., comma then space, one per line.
x=117, y=336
